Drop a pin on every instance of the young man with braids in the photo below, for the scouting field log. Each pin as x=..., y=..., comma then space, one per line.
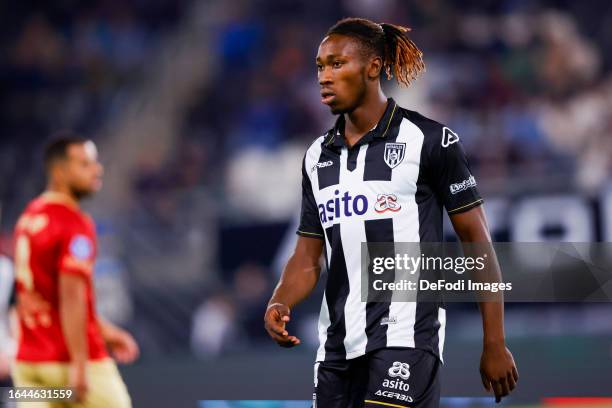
x=381, y=174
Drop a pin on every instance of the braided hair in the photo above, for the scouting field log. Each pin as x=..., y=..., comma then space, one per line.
x=400, y=56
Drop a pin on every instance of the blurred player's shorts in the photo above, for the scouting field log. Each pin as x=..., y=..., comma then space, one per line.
x=106, y=387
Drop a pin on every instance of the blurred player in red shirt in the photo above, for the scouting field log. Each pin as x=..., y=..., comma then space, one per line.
x=62, y=341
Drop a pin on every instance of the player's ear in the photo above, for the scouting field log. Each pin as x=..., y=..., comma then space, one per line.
x=375, y=65
x=59, y=169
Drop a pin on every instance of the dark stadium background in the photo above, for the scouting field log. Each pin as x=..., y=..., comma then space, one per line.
x=202, y=112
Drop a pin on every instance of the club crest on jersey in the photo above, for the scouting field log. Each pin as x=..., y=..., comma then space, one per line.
x=394, y=154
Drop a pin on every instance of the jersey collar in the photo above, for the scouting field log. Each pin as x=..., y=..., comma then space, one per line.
x=56, y=197
x=335, y=137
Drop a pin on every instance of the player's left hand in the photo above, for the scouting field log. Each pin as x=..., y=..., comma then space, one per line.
x=123, y=347
x=498, y=370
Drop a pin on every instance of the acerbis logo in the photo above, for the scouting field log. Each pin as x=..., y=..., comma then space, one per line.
x=396, y=395
x=386, y=202
x=345, y=206
x=322, y=165
x=399, y=369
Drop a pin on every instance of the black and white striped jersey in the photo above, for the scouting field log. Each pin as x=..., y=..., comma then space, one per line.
x=390, y=186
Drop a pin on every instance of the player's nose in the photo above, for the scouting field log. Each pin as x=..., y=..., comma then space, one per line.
x=325, y=77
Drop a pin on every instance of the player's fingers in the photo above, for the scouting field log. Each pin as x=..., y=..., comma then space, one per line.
x=497, y=390
x=504, y=386
x=278, y=329
x=284, y=341
x=485, y=382
x=511, y=382
x=276, y=326
x=120, y=352
x=277, y=337
x=135, y=350
x=287, y=344
x=44, y=319
x=132, y=352
x=119, y=357
x=29, y=321
x=124, y=357
x=294, y=340
x=515, y=374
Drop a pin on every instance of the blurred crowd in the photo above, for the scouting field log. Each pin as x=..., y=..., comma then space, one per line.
x=66, y=65
x=526, y=84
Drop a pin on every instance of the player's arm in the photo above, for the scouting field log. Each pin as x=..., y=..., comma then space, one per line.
x=302, y=271
x=73, y=317
x=121, y=343
x=298, y=280
x=497, y=367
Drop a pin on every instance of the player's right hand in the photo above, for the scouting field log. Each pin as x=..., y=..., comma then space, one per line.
x=276, y=318
x=33, y=309
x=77, y=380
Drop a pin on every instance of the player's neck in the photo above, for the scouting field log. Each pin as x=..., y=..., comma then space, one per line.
x=61, y=195
x=365, y=116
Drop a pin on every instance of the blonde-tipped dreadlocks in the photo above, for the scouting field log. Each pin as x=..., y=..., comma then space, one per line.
x=401, y=57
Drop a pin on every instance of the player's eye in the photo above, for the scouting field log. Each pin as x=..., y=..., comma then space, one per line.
x=337, y=64
x=319, y=67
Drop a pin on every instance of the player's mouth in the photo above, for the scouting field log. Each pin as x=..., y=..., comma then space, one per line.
x=327, y=97
x=97, y=184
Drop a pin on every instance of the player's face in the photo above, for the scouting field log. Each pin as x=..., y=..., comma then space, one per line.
x=341, y=69
x=82, y=169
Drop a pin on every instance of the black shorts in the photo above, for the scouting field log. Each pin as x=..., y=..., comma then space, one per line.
x=390, y=377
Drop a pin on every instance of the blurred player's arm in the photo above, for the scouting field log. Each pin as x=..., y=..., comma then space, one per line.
x=497, y=367
x=121, y=343
x=73, y=317
x=298, y=280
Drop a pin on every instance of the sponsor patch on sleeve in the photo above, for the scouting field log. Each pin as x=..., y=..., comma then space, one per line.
x=464, y=185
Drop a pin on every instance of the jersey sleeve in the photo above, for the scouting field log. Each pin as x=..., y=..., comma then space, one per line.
x=452, y=178
x=310, y=224
x=77, y=249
